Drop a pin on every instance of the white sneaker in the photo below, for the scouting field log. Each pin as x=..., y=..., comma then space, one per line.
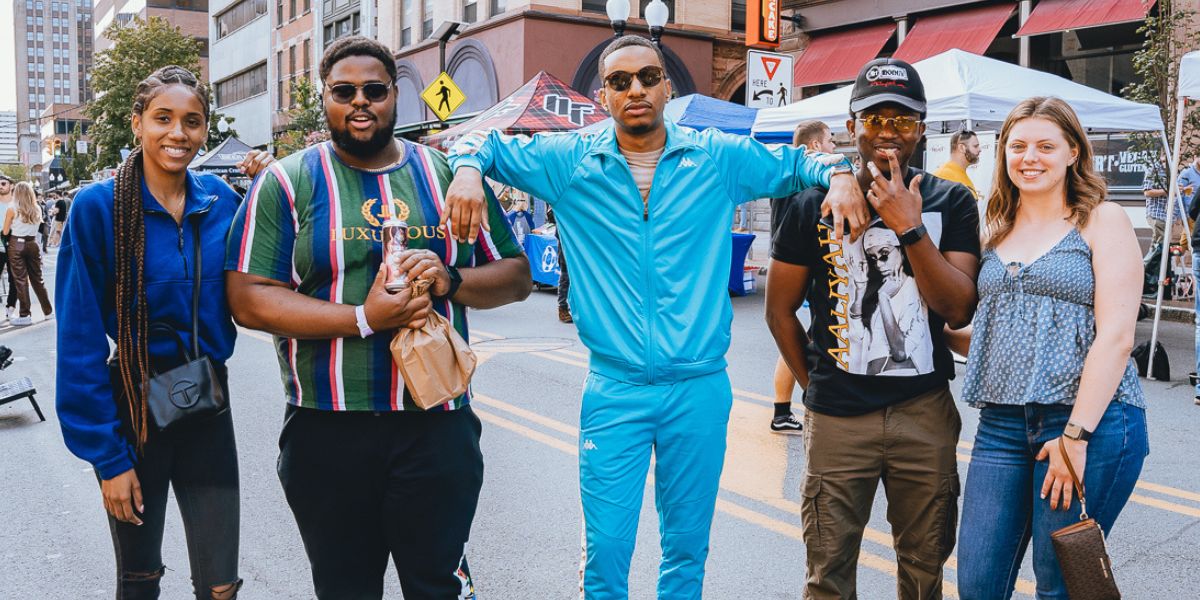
x=8, y=313
x=21, y=321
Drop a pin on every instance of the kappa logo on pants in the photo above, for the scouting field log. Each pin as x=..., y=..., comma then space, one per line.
x=588, y=444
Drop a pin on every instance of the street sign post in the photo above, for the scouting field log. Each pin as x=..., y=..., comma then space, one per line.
x=443, y=96
x=768, y=79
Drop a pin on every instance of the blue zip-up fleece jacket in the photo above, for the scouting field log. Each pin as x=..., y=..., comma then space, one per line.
x=84, y=299
x=648, y=288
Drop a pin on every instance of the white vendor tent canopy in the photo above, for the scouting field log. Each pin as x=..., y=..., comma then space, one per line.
x=961, y=86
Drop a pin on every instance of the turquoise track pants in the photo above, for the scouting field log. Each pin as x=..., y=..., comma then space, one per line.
x=684, y=424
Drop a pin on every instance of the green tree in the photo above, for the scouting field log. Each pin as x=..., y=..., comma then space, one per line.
x=1169, y=34
x=139, y=48
x=76, y=165
x=305, y=118
x=16, y=172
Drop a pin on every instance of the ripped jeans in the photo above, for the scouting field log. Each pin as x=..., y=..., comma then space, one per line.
x=200, y=463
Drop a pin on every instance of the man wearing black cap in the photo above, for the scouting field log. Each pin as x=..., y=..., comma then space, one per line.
x=874, y=365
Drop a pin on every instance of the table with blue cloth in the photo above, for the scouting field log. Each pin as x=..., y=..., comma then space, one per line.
x=542, y=251
x=737, y=263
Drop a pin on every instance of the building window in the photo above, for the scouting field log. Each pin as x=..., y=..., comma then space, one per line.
x=291, y=74
x=239, y=15
x=499, y=6
x=279, y=80
x=426, y=19
x=307, y=5
x=737, y=13
x=593, y=6
x=292, y=9
x=405, y=36
x=328, y=37
x=279, y=13
x=306, y=66
x=246, y=84
x=469, y=10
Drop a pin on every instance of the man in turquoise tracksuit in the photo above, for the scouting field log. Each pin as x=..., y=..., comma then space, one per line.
x=645, y=210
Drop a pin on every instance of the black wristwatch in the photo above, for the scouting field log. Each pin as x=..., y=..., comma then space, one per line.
x=913, y=235
x=1076, y=432
x=455, y=282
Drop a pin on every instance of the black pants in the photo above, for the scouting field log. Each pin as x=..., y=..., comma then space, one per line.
x=200, y=463
x=564, y=280
x=12, y=282
x=364, y=486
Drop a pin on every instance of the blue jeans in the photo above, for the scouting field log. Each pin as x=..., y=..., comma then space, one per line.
x=1002, y=508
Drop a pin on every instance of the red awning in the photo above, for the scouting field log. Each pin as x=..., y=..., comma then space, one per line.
x=835, y=57
x=972, y=30
x=1050, y=16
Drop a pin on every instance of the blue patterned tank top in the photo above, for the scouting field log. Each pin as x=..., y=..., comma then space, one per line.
x=1033, y=329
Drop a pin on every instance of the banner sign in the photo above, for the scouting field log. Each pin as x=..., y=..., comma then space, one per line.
x=762, y=23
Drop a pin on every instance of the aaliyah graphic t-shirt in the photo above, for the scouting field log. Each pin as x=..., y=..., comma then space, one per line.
x=873, y=340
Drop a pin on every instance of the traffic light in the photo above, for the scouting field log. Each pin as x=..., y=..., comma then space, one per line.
x=56, y=147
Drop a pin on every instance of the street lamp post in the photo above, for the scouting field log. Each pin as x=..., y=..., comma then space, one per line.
x=618, y=13
x=657, y=14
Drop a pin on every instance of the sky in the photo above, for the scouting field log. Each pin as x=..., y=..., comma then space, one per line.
x=8, y=66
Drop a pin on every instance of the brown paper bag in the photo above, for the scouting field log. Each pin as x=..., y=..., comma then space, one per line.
x=436, y=362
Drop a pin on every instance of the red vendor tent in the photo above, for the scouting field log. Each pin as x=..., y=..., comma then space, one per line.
x=544, y=103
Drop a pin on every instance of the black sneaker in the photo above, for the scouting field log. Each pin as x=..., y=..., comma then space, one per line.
x=786, y=424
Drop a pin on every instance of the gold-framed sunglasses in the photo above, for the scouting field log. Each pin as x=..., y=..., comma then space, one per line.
x=375, y=91
x=619, y=81
x=902, y=123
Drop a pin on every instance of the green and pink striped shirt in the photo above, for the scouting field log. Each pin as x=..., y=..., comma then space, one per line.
x=313, y=222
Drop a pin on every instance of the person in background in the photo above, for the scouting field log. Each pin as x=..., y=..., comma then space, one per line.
x=21, y=220
x=816, y=137
x=1155, y=183
x=60, y=218
x=46, y=205
x=6, y=199
x=1048, y=365
x=564, y=278
x=964, y=152
x=1194, y=215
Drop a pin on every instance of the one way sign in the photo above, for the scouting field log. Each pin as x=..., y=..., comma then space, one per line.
x=768, y=79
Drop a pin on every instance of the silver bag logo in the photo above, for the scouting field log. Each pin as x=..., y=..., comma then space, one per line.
x=567, y=108
x=888, y=72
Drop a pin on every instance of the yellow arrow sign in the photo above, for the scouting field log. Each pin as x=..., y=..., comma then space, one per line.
x=443, y=96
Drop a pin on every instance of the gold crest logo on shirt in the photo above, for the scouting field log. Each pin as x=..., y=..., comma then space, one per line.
x=368, y=212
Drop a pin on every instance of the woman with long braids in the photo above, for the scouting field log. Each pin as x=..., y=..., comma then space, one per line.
x=126, y=263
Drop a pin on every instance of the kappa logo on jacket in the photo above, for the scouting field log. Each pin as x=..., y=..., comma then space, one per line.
x=686, y=162
x=589, y=445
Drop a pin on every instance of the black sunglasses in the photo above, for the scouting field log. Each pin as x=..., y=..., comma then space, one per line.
x=619, y=81
x=344, y=93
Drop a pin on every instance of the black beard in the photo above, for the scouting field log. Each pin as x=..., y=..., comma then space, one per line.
x=379, y=140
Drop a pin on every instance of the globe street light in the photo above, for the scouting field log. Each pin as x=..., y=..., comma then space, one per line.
x=657, y=14
x=618, y=13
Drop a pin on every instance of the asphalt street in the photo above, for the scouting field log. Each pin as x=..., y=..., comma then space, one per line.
x=54, y=540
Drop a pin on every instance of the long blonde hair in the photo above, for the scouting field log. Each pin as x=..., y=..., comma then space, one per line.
x=1084, y=188
x=25, y=205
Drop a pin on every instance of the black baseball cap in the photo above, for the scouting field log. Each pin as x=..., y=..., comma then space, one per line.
x=4, y=177
x=885, y=80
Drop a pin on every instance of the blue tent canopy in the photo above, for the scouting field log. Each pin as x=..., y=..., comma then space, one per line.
x=701, y=112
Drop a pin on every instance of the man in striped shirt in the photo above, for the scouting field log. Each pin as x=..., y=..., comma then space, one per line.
x=367, y=473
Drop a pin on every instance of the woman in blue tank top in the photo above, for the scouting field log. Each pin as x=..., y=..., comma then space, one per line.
x=1049, y=356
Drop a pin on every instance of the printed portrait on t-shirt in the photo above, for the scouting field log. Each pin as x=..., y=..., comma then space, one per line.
x=879, y=316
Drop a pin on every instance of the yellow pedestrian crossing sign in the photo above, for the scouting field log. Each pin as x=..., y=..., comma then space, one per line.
x=443, y=96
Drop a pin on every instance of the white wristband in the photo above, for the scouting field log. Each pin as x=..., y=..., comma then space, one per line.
x=360, y=316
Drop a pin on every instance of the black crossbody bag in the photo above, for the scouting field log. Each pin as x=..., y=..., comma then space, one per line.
x=192, y=391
